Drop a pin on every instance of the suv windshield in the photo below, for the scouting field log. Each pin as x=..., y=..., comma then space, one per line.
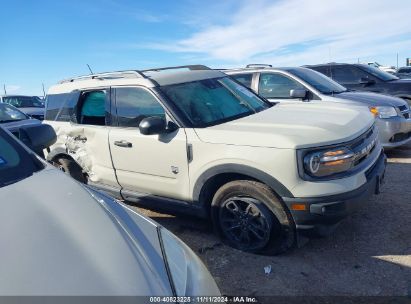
x=15, y=162
x=385, y=76
x=24, y=101
x=319, y=81
x=9, y=113
x=213, y=101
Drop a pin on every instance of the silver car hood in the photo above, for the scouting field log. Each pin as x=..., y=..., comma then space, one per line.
x=57, y=239
x=372, y=99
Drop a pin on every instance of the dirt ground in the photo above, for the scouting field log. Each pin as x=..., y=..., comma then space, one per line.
x=368, y=255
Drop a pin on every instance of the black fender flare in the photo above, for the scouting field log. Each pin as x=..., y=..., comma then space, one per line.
x=254, y=173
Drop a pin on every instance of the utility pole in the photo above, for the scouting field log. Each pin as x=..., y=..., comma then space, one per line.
x=397, y=61
x=4, y=87
x=44, y=92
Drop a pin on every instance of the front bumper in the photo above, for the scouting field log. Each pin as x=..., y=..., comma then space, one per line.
x=394, y=132
x=323, y=214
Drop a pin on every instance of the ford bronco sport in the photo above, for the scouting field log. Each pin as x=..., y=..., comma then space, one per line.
x=267, y=175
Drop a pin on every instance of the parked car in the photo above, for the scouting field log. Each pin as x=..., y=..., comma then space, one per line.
x=298, y=84
x=389, y=69
x=31, y=105
x=404, y=72
x=62, y=238
x=192, y=138
x=12, y=118
x=362, y=77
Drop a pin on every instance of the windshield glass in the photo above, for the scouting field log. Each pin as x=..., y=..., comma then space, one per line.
x=24, y=101
x=319, y=81
x=213, y=101
x=9, y=113
x=15, y=162
x=378, y=73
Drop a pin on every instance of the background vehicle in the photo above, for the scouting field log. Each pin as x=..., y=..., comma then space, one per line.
x=297, y=84
x=63, y=239
x=362, y=77
x=12, y=119
x=385, y=68
x=31, y=105
x=192, y=138
x=403, y=73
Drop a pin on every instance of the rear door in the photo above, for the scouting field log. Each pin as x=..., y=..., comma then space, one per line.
x=276, y=87
x=146, y=164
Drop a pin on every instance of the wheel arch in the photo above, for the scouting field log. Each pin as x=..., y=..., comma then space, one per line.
x=212, y=179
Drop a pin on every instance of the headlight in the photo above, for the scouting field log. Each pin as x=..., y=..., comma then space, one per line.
x=189, y=275
x=384, y=112
x=328, y=162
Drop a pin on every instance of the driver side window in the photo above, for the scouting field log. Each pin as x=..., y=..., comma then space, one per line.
x=277, y=86
x=348, y=74
x=135, y=104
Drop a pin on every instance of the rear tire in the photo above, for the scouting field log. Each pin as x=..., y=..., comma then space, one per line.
x=248, y=216
x=71, y=168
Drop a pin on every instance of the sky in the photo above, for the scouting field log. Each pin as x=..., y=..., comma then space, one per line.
x=45, y=41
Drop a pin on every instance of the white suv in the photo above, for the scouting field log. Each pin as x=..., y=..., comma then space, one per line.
x=192, y=138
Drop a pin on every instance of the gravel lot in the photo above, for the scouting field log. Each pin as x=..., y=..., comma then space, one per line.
x=368, y=255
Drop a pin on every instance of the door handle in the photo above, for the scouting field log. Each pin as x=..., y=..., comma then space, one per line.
x=80, y=138
x=123, y=144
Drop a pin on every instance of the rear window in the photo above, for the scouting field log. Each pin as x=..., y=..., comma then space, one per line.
x=60, y=107
x=15, y=162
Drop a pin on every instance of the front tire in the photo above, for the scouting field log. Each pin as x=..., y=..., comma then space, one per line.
x=249, y=217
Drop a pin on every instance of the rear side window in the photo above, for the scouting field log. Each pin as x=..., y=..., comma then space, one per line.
x=135, y=104
x=244, y=79
x=60, y=107
x=277, y=86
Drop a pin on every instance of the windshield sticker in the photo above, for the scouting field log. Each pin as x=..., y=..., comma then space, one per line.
x=2, y=161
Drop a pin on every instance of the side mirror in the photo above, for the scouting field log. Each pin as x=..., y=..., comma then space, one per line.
x=156, y=125
x=38, y=137
x=298, y=93
x=366, y=81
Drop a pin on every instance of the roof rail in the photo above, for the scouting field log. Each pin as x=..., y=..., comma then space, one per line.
x=132, y=73
x=108, y=75
x=258, y=65
x=193, y=67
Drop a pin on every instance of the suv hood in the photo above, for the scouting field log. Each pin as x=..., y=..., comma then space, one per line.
x=57, y=239
x=293, y=125
x=372, y=99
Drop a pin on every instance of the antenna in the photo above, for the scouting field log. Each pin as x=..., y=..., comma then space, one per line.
x=44, y=92
x=4, y=87
x=91, y=72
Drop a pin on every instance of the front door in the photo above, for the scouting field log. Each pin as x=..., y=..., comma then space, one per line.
x=147, y=164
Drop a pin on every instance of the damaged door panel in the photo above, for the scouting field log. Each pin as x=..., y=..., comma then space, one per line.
x=88, y=146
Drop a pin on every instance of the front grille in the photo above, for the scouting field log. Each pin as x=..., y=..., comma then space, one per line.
x=405, y=111
x=364, y=146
